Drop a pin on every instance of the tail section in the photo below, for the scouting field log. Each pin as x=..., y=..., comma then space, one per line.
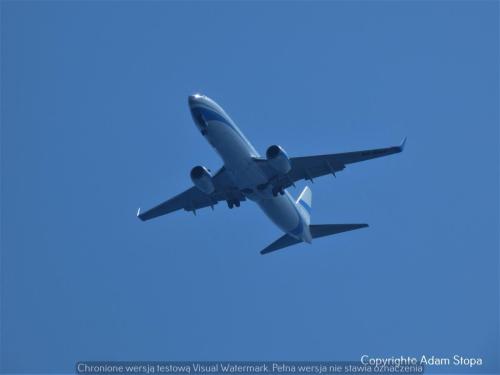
x=319, y=230
x=305, y=201
x=304, y=204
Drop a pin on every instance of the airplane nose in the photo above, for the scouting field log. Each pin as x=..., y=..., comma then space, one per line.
x=194, y=98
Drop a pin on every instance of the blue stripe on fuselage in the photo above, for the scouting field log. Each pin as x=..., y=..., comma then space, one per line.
x=306, y=206
x=209, y=114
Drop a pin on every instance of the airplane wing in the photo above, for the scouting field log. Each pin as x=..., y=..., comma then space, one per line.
x=309, y=167
x=193, y=198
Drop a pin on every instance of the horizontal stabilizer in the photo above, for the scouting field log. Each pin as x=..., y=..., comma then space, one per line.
x=280, y=243
x=321, y=230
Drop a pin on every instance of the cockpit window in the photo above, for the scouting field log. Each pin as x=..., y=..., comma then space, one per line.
x=199, y=119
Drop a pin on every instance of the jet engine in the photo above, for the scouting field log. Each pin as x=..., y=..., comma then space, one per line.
x=202, y=179
x=278, y=159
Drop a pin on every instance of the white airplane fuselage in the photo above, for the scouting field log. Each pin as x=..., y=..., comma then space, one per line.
x=238, y=156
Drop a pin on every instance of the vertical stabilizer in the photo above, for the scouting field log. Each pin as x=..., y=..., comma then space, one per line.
x=305, y=202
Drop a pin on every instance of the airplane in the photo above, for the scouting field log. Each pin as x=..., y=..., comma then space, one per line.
x=263, y=180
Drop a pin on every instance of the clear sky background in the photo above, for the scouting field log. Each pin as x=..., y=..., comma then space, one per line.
x=95, y=123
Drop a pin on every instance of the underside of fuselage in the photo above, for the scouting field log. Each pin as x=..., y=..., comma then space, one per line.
x=240, y=162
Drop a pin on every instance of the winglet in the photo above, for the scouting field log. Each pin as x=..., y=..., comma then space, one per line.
x=138, y=211
x=402, y=145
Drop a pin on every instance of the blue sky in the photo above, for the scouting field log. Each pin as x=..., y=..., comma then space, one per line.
x=95, y=123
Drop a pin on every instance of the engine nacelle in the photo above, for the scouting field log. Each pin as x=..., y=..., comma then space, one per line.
x=202, y=179
x=278, y=159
